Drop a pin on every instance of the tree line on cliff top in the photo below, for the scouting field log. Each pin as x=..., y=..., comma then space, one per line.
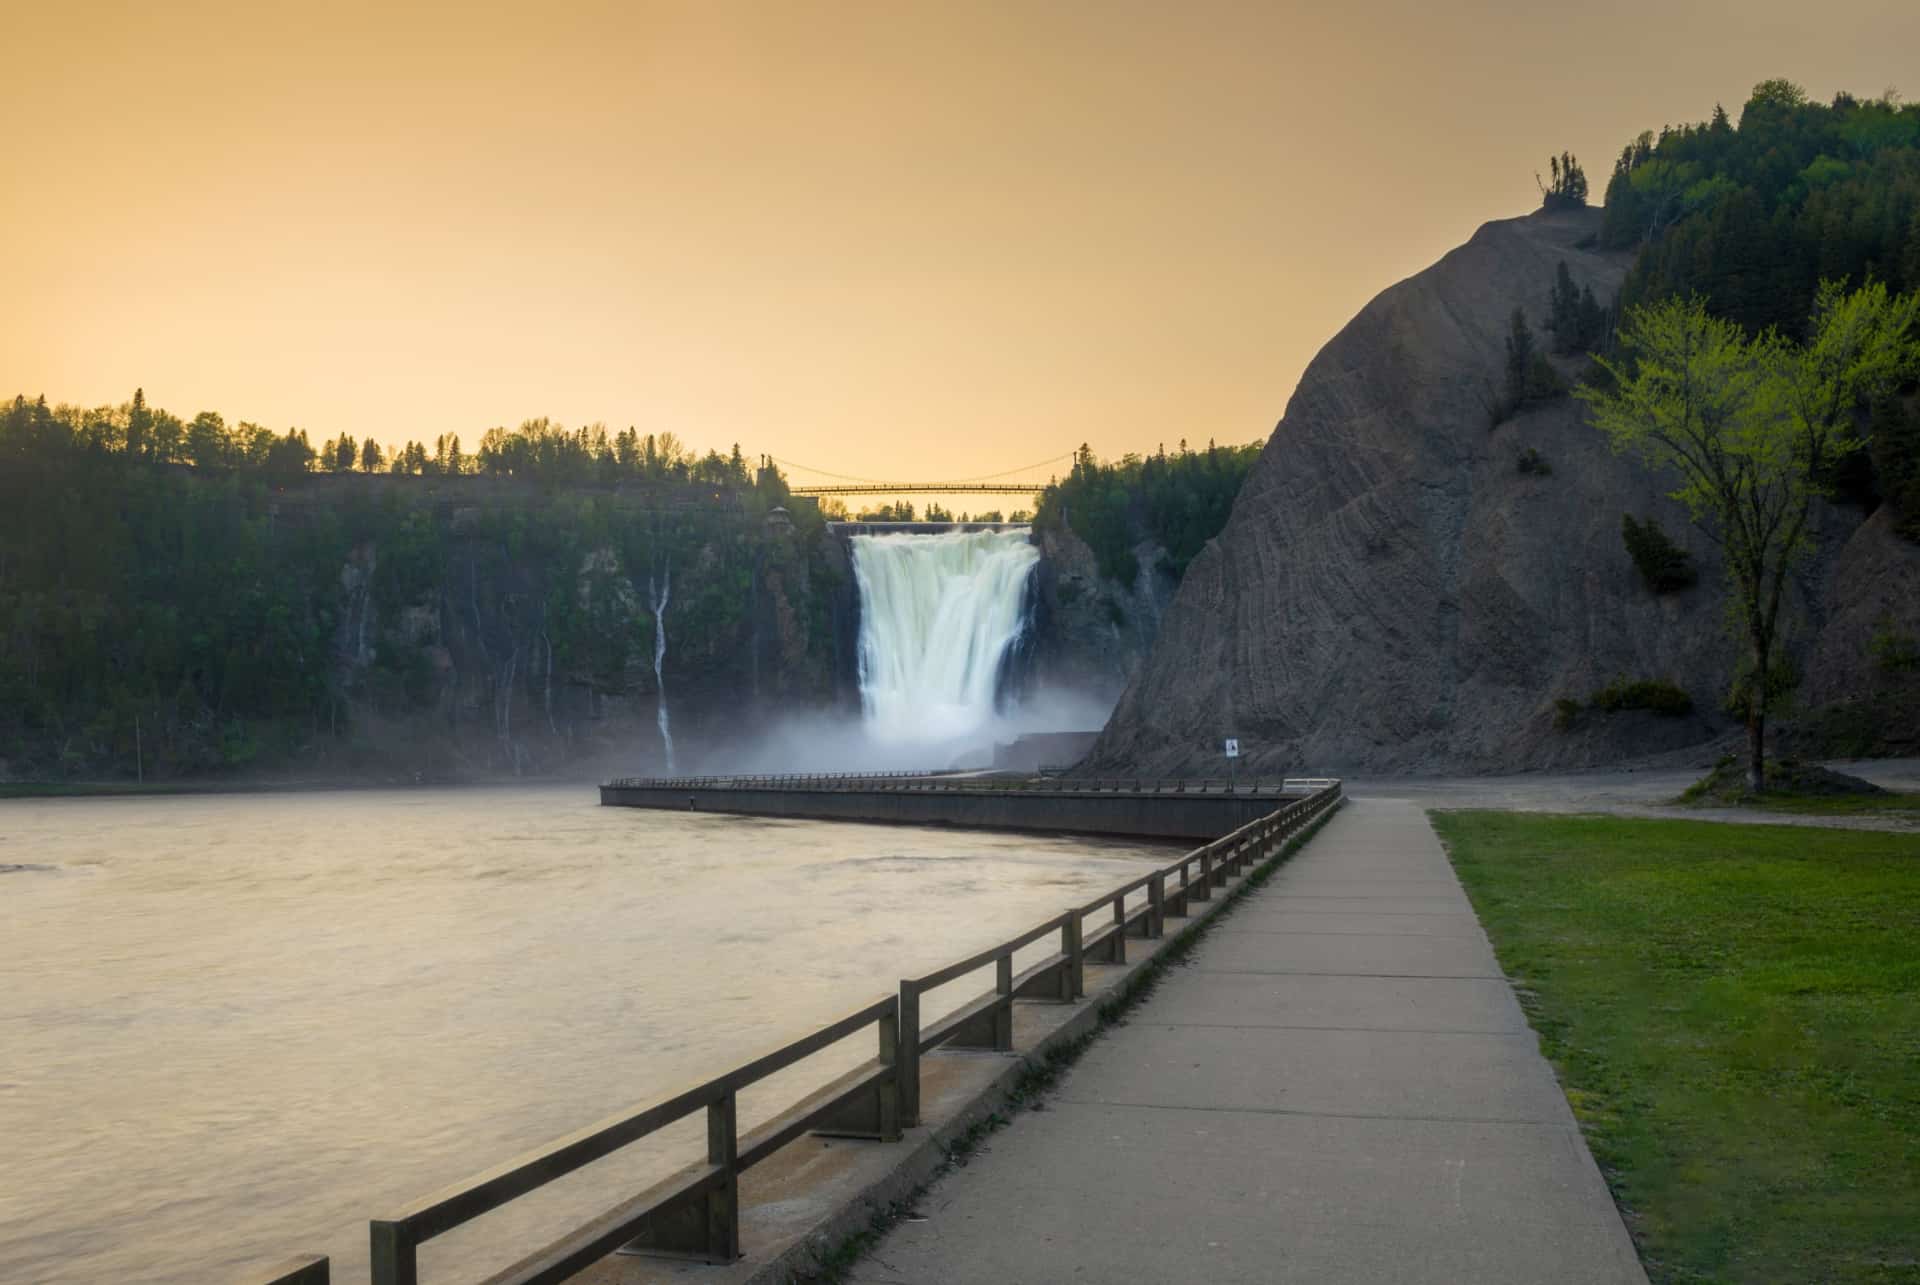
x=538, y=450
x=1750, y=219
x=1178, y=500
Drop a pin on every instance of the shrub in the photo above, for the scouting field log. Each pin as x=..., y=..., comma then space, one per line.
x=1664, y=565
x=1894, y=440
x=1654, y=694
x=1565, y=711
x=1534, y=464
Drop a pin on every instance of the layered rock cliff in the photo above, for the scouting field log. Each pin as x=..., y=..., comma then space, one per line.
x=1394, y=593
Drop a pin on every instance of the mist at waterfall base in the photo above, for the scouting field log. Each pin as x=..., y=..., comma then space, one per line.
x=940, y=617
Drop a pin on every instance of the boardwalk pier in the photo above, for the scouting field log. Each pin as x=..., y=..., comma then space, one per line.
x=1125, y=806
x=768, y=1194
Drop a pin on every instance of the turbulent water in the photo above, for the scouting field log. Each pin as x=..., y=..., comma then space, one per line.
x=234, y=1028
x=938, y=614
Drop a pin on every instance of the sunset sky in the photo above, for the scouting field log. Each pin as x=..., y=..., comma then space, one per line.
x=886, y=239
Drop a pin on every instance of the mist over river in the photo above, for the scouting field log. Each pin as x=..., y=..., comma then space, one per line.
x=234, y=1027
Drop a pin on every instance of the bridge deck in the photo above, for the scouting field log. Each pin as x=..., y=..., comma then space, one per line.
x=1340, y=1087
x=923, y=488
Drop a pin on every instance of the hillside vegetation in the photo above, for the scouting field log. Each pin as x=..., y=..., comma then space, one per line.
x=1752, y=217
x=1177, y=501
x=178, y=598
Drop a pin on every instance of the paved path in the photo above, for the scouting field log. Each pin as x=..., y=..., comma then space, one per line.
x=1645, y=792
x=1340, y=1086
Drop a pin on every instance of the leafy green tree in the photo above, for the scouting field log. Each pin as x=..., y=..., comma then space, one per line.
x=1750, y=425
x=370, y=456
x=207, y=445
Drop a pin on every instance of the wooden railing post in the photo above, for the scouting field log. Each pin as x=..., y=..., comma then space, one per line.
x=395, y=1253
x=1157, y=905
x=1203, y=887
x=888, y=1092
x=1120, y=928
x=1076, y=959
x=908, y=1067
x=723, y=1201
x=1003, y=1016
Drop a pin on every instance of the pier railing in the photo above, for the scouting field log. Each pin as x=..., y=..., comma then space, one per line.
x=922, y=783
x=695, y=1212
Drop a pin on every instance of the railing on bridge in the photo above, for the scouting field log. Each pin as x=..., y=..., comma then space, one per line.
x=695, y=1213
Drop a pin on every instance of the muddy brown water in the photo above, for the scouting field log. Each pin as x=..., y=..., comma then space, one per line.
x=236, y=1027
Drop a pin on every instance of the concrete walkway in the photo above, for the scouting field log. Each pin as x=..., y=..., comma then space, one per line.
x=1339, y=1087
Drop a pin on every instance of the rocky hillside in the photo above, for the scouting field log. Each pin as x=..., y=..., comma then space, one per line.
x=1395, y=592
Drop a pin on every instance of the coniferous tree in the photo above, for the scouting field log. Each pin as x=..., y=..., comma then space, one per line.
x=139, y=421
x=1568, y=188
x=1520, y=355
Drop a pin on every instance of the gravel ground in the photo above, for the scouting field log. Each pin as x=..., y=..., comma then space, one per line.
x=1644, y=792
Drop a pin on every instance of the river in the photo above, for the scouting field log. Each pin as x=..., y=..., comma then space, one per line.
x=234, y=1027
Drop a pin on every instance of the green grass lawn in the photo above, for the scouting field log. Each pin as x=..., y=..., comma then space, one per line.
x=1734, y=1012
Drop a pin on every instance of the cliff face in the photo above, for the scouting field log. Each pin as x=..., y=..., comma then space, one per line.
x=1090, y=634
x=1393, y=593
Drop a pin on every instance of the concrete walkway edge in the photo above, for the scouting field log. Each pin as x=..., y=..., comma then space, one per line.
x=1338, y=1086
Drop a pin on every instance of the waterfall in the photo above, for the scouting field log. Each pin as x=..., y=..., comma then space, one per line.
x=659, y=597
x=937, y=615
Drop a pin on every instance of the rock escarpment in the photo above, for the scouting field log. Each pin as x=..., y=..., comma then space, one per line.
x=1091, y=634
x=1394, y=593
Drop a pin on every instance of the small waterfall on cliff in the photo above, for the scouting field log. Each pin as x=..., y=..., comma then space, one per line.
x=659, y=598
x=937, y=615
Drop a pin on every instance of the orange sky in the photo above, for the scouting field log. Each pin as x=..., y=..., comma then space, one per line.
x=889, y=239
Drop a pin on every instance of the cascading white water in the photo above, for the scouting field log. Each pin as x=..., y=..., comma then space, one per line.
x=937, y=615
x=659, y=597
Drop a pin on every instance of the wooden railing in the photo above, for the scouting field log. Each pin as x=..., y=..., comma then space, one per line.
x=695, y=1212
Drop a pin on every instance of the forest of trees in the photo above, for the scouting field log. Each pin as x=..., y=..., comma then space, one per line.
x=539, y=449
x=1754, y=217
x=1180, y=501
x=178, y=598
x=1750, y=218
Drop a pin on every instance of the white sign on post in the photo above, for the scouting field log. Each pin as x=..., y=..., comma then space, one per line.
x=1233, y=747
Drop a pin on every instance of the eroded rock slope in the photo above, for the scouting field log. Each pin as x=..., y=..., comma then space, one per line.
x=1393, y=592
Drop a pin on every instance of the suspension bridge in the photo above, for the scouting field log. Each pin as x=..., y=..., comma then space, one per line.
x=923, y=488
x=1004, y=483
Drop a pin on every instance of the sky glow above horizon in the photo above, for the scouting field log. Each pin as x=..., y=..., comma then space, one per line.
x=899, y=240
